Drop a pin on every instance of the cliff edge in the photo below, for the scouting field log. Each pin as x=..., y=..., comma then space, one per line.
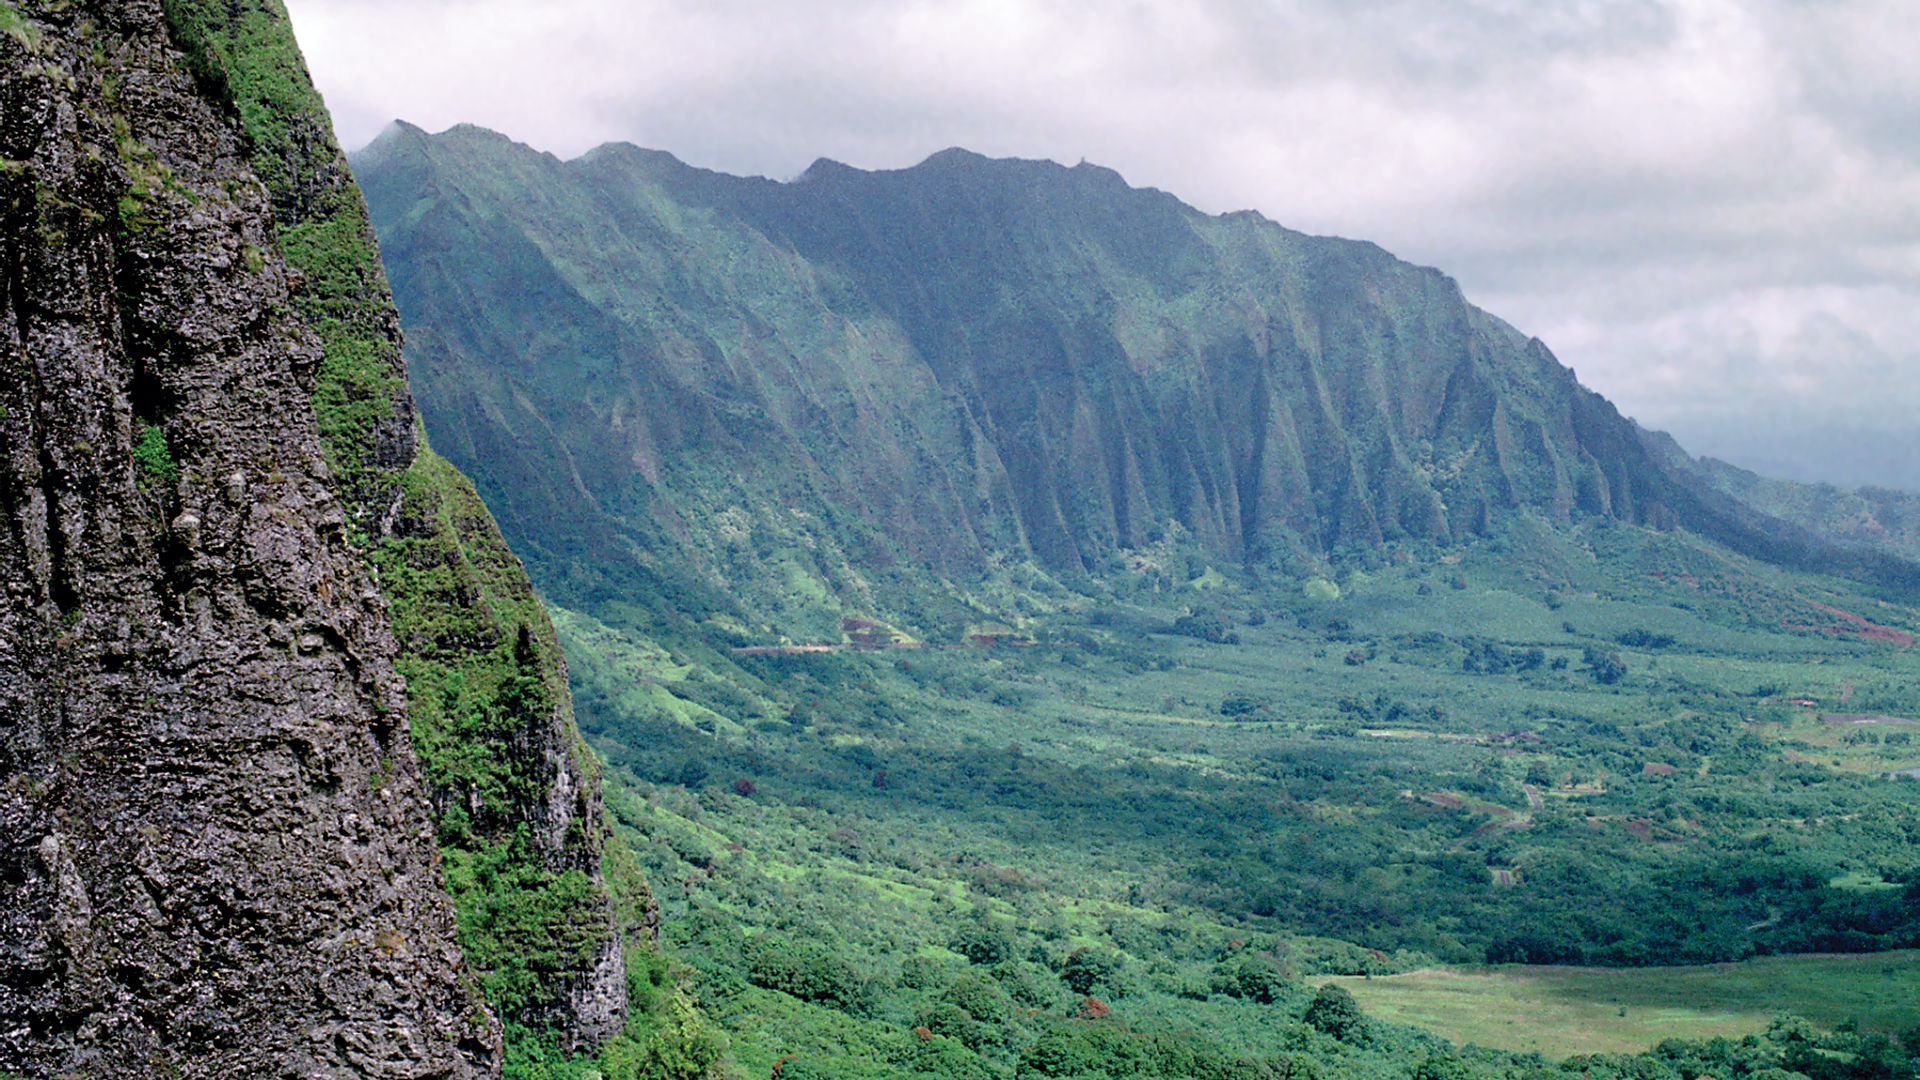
x=264, y=659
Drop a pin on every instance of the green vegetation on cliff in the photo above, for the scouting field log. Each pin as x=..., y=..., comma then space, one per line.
x=515, y=794
x=216, y=855
x=659, y=375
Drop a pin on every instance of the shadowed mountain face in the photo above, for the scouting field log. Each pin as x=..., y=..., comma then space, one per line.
x=964, y=363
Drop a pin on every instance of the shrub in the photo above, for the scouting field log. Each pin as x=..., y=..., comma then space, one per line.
x=154, y=458
x=1239, y=705
x=1606, y=667
x=1086, y=969
x=983, y=940
x=1254, y=977
x=1334, y=1012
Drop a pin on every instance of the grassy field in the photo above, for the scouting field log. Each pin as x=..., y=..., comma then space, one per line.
x=1559, y=1011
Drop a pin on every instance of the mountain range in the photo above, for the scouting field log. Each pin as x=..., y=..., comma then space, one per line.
x=973, y=363
x=1304, y=596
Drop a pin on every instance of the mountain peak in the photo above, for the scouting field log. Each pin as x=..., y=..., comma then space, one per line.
x=825, y=169
x=954, y=157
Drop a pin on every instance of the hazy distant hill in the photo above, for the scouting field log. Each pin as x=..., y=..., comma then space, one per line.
x=1871, y=517
x=969, y=363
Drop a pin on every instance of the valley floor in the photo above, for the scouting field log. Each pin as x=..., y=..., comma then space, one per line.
x=1183, y=813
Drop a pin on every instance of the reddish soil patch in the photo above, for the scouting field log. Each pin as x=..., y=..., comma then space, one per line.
x=1858, y=627
x=1504, y=820
x=1650, y=832
x=1657, y=768
x=996, y=641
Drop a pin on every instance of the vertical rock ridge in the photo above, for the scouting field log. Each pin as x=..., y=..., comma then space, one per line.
x=1085, y=337
x=516, y=794
x=264, y=658
x=215, y=853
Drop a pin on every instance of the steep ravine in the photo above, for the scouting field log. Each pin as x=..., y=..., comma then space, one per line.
x=264, y=659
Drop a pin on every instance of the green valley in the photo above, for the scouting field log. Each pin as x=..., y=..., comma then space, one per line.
x=1341, y=785
x=1037, y=629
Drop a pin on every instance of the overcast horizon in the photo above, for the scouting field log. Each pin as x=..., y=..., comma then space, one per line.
x=1710, y=209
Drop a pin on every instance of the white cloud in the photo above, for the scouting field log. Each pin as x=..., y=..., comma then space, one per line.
x=1680, y=196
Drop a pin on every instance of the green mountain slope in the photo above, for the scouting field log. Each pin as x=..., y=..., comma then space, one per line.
x=1868, y=517
x=971, y=364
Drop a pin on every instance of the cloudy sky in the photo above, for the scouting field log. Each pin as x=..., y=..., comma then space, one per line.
x=1709, y=208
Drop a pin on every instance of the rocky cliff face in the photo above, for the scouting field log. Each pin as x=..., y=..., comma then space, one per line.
x=516, y=796
x=215, y=852
x=222, y=807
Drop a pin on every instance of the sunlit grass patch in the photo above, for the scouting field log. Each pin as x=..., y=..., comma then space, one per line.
x=1560, y=1011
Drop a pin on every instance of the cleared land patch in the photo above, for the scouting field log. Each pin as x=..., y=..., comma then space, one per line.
x=1561, y=1011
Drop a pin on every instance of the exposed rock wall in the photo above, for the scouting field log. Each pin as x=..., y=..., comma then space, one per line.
x=513, y=789
x=264, y=658
x=216, y=858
